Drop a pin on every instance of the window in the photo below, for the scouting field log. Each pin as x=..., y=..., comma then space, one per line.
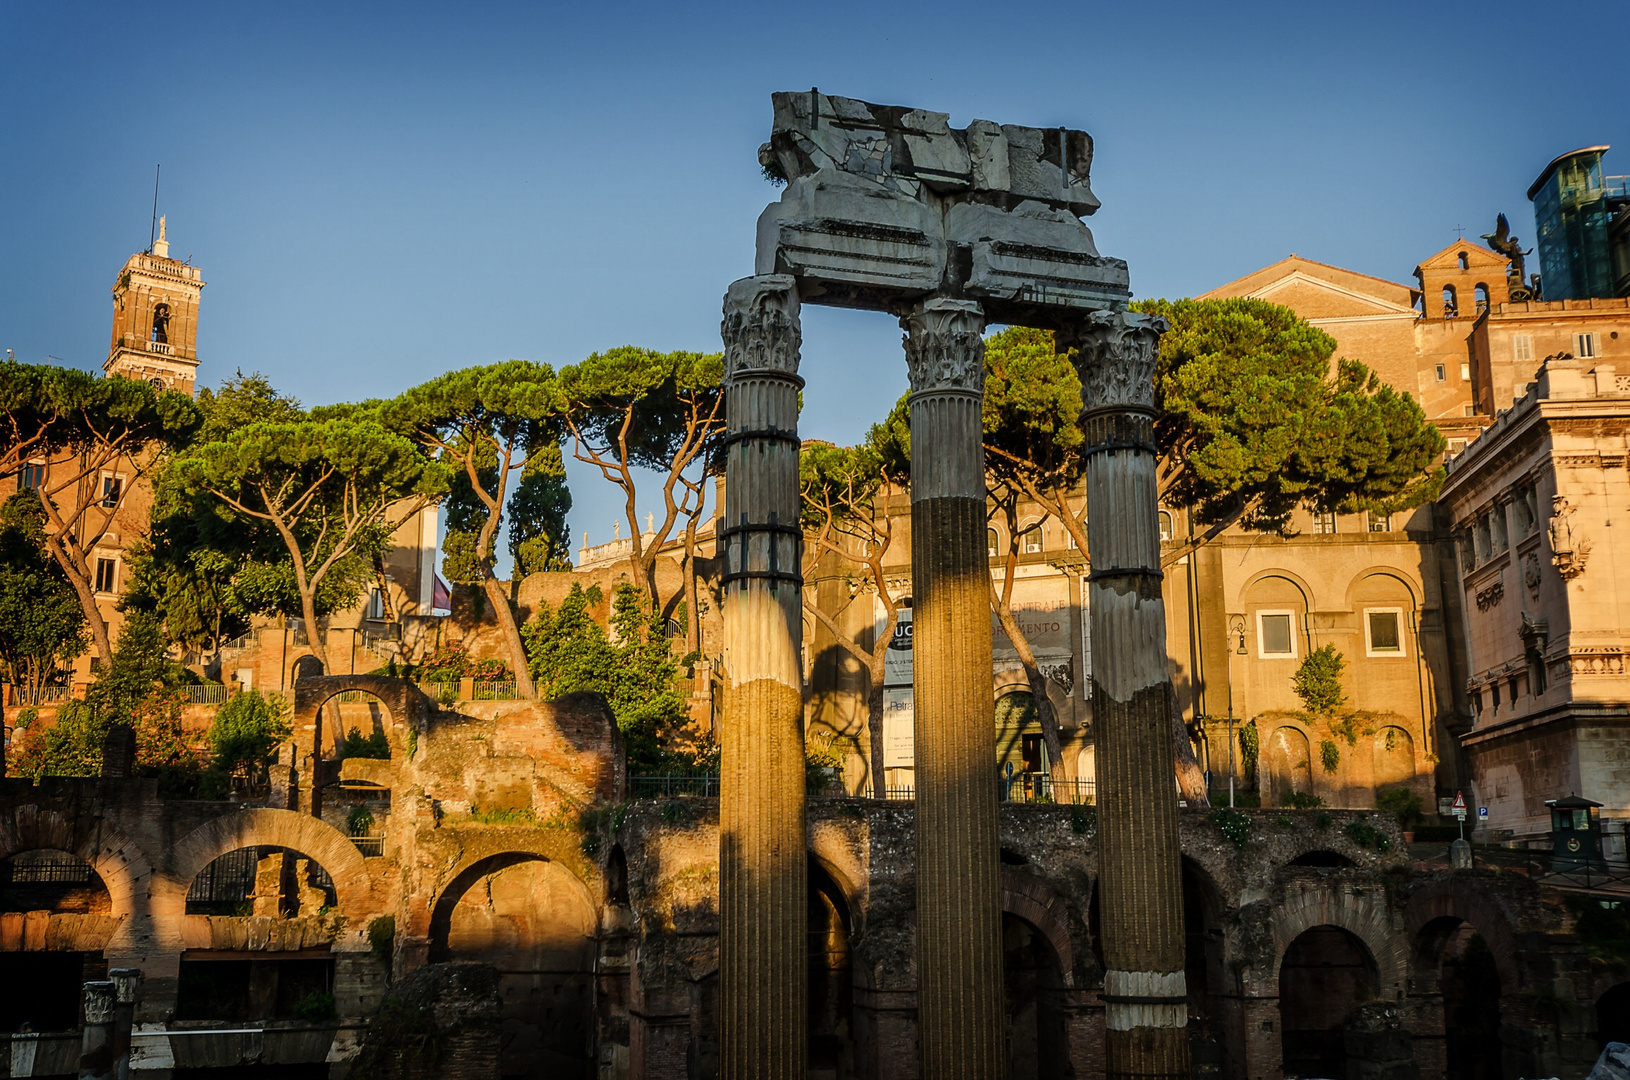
x=1482, y=295
x=376, y=604
x=1380, y=522
x=1584, y=346
x=1471, y=410
x=1273, y=633
x=106, y=574
x=1442, y=373
x=1465, y=372
x=1324, y=522
x=1166, y=525
x=33, y=476
x=1450, y=307
x=1457, y=447
x=1522, y=348
x=112, y=488
x=161, y=323
x=990, y=542
x=1465, y=263
x=1383, y=632
x=1030, y=540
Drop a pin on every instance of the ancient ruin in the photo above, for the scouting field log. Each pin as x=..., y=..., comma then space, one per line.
x=891, y=209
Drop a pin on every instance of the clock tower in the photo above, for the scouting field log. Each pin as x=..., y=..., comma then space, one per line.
x=155, y=319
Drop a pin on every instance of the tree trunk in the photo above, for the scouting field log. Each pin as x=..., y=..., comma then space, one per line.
x=1056, y=768
x=512, y=635
x=314, y=636
x=1191, y=779
x=693, y=623
x=57, y=542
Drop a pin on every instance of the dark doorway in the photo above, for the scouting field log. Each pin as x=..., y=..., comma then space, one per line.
x=1036, y=1042
x=1613, y=1015
x=1326, y=972
x=1204, y=973
x=42, y=990
x=831, y=981
x=1471, y=1008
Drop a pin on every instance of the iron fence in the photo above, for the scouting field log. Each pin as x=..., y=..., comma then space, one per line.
x=1040, y=787
x=1538, y=861
x=207, y=694
x=45, y=868
x=41, y=695
x=493, y=691
x=369, y=846
x=440, y=691
x=696, y=786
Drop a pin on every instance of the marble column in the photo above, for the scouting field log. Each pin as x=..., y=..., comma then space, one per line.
x=960, y=1006
x=763, y=867
x=1140, y=872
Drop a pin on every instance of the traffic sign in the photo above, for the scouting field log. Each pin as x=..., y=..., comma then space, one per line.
x=1483, y=813
x=1459, y=808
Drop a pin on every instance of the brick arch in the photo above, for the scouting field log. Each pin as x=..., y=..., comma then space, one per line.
x=1038, y=904
x=1362, y=915
x=260, y=827
x=472, y=869
x=1459, y=900
x=846, y=874
x=122, y=865
x=406, y=703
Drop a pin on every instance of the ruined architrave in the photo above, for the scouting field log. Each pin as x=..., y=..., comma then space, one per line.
x=1140, y=888
x=890, y=208
x=763, y=876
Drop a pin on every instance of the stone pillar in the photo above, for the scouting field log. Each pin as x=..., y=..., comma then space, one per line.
x=960, y=1005
x=125, y=982
x=1140, y=874
x=96, y=1039
x=763, y=860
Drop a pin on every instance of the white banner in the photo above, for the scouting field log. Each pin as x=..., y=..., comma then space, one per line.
x=899, y=729
x=897, y=660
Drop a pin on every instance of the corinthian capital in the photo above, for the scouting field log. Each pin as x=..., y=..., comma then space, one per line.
x=760, y=327
x=944, y=346
x=1115, y=355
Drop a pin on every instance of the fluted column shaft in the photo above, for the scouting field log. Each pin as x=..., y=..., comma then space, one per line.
x=763, y=869
x=1140, y=873
x=960, y=1007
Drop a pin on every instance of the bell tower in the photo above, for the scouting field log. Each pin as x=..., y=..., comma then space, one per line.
x=155, y=319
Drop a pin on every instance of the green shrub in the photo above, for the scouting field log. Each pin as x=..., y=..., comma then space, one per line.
x=245, y=735
x=1233, y=825
x=359, y=821
x=1322, y=821
x=1329, y=755
x=25, y=718
x=521, y=815
x=1366, y=835
x=1250, y=747
x=1301, y=800
x=1318, y=681
x=357, y=745
x=382, y=936
x=1401, y=803
x=1081, y=819
x=316, y=1007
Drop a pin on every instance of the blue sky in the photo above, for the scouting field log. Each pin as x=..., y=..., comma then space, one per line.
x=376, y=194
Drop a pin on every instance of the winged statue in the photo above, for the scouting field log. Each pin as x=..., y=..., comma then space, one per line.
x=1502, y=241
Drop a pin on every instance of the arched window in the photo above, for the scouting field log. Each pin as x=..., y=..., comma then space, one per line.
x=1451, y=307
x=161, y=323
x=990, y=542
x=1030, y=540
x=1482, y=295
x=1166, y=532
x=1465, y=263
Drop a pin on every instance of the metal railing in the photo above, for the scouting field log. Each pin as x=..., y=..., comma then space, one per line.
x=493, y=691
x=44, y=695
x=1040, y=787
x=1538, y=861
x=369, y=846
x=697, y=786
x=206, y=694
x=440, y=691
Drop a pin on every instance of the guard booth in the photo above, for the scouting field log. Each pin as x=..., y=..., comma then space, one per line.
x=1576, y=834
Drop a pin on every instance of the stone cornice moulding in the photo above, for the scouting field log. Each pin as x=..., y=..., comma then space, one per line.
x=1299, y=277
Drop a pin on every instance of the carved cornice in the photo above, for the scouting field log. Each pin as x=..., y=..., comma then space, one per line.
x=761, y=327
x=945, y=346
x=1114, y=353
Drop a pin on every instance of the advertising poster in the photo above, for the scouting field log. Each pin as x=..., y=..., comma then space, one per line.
x=899, y=732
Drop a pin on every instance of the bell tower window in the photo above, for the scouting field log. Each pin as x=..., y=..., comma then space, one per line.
x=161, y=324
x=1450, y=307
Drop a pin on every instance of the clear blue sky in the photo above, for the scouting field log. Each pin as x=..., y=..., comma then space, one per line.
x=376, y=194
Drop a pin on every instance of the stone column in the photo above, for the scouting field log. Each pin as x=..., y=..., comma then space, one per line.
x=960, y=1006
x=763, y=860
x=1140, y=872
x=96, y=1038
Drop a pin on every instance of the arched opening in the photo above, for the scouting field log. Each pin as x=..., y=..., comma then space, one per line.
x=531, y=919
x=1206, y=974
x=1613, y=1015
x=1018, y=740
x=1287, y=758
x=1450, y=307
x=269, y=882
x=831, y=981
x=1030, y=540
x=161, y=324
x=39, y=980
x=1037, y=1044
x=1482, y=295
x=1465, y=261
x=356, y=724
x=1453, y=957
x=1394, y=753
x=1325, y=974
x=1167, y=530
x=1322, y=860
x=992, y=542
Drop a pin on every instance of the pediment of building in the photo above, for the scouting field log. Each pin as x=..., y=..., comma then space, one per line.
x=1316, y=290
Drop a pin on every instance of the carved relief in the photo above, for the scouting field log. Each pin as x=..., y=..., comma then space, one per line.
x=1491, y=596
x=1530, y=574
x=945, y=346
x=1596, y=661
x=1115, y=356
x=760, y=327
x=1569, y=549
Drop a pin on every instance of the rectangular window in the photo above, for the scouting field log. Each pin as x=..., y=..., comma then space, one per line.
x=33, y=476
x=1522, y=348
x=1030, y=540
x=1380, y=522
x=1165, y=525
x=1274, y=637
x=1383, y=632
x=112, y=487
x=106, y=574
x=1465, y=373
x=376, y=605
x=1324, y=523
x=1471, y=410
x=1584, y=346
x=1442, y=373
x=1457, y=447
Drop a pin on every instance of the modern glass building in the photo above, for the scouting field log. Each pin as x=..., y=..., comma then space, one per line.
x=1573, y=204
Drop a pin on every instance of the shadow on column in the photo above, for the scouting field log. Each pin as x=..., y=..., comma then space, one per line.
x=831, y=981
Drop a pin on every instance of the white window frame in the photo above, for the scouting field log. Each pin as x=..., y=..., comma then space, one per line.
x=1522, y=348
x=1320, y=520
x=102, y=489
x=1166, y=524
x=1442, y=372
x=1403, y=642
x=1371, y=518
x=1465, y=371
x=1024, y=539
x=993, y=541
x=1584, y=345
x=1261, y=638
x=96, y=568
